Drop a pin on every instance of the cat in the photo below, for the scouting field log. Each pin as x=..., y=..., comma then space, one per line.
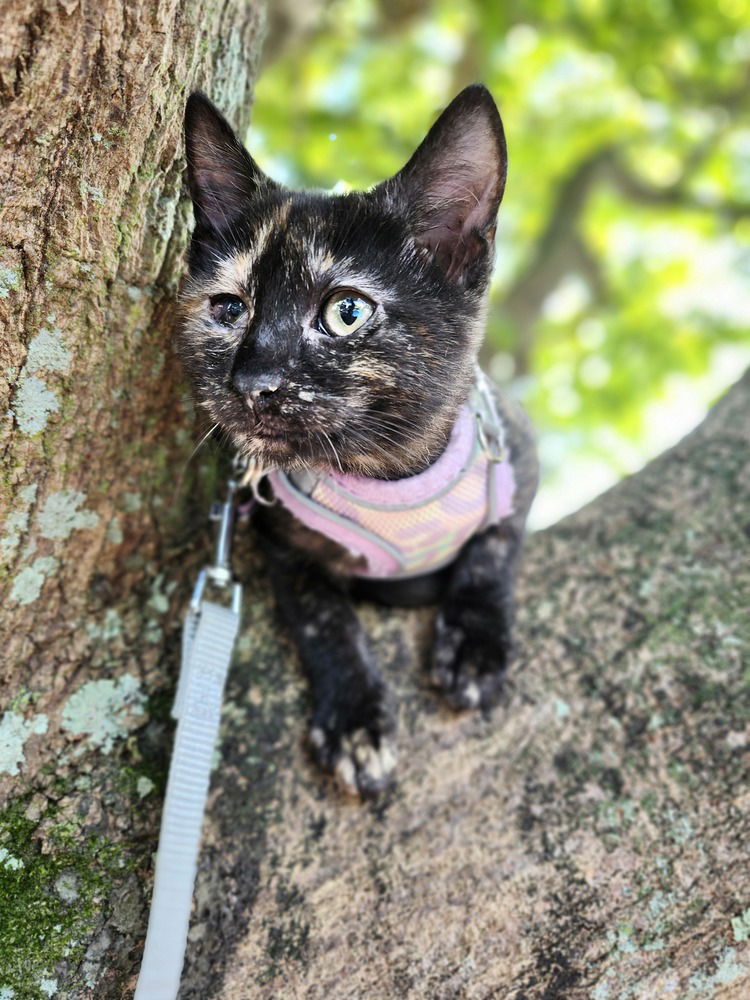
x=335, y=338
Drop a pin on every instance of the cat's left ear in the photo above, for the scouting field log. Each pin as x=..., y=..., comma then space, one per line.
x=222, y=176
x=451, y=188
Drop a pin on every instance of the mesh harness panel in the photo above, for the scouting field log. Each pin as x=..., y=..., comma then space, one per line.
x=409, y=527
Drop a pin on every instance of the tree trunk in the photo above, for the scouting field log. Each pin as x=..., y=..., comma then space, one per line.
x=96, y=434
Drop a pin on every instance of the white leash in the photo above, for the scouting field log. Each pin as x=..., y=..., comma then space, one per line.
x=207, y=642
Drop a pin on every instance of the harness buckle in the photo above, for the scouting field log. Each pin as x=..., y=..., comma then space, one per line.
x=489, y=425
x=491, y=440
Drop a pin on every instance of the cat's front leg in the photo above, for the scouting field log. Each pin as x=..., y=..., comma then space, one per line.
x=352, y=728
x=473, y=642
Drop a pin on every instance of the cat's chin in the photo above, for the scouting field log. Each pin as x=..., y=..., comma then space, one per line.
x=274, y=449
x=289, y=454
x=280, y=451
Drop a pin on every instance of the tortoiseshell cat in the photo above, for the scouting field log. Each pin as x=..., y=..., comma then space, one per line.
x=338, y=335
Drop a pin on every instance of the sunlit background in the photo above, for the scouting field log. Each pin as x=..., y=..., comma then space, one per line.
x=621, y=296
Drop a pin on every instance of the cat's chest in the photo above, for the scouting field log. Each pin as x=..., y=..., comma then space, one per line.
x=288, y=538
x=283, y=529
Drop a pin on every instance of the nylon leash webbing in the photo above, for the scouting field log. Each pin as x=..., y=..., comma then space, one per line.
x=207, y=643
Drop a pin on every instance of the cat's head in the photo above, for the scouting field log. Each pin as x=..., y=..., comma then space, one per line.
x=341, y=330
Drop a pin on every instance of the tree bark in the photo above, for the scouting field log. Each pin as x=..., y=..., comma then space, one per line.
x=588, y=840
x=96, y=432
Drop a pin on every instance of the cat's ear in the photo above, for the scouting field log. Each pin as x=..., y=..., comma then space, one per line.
x=222, y=176
x=451, y=188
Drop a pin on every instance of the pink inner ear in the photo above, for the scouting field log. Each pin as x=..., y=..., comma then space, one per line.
x=454, y=183
x=220, y=176
x=460, y=215
x=222, y=196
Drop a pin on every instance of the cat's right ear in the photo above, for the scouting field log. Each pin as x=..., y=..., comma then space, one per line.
x=222, y=176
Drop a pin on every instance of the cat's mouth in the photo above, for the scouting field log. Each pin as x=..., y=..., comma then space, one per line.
x=274, y=427
x=276, y=442
x=274, y=432
x=289, y=437
x=275, y=438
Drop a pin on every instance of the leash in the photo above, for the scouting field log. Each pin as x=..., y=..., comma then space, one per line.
x=208, y=640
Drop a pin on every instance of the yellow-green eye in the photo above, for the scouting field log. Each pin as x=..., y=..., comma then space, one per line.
x=345, y=312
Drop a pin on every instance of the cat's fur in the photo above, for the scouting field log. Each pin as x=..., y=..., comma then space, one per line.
x=378, y=402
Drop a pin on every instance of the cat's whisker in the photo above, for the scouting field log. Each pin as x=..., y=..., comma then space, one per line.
x=325, y=450
x=399, y=436
x=366, y=444
x=189, y=459
x=396, y=428
x=200, y=444
x=384, y=437
x=333, y=449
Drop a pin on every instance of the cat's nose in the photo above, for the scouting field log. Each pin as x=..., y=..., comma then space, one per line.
x=257, y=387
x=267, y=387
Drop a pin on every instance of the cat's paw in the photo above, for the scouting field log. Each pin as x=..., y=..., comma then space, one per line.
x=467, y=670
x=362, y=763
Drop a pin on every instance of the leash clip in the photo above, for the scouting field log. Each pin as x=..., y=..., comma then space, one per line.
x=219, y=573
x=250, y=473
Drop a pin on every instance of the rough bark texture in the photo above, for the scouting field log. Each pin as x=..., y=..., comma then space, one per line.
x=589, y=840
x=96, y=431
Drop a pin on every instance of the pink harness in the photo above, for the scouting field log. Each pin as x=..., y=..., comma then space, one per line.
x=408, y=527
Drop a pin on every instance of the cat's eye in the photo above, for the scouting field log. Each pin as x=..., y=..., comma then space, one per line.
x=345, y=312
x=227, y=309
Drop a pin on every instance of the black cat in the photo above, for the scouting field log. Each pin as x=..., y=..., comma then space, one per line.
x=335, y=338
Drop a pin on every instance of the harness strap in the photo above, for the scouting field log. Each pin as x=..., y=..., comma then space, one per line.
x=489, y=423
x=415, y=525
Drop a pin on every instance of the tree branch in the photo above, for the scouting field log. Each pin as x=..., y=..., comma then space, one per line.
x=592, y=832
x=678, y=195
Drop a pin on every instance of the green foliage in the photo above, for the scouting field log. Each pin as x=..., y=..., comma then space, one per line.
x=621, y=295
